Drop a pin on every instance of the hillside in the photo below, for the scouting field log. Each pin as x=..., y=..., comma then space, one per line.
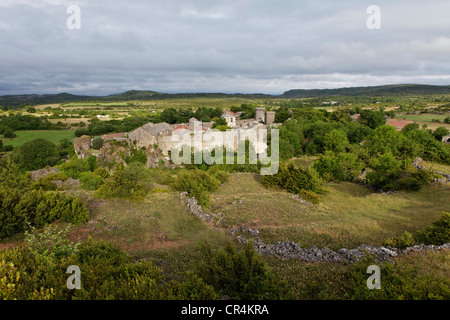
x=386, y=90
x=17, y=101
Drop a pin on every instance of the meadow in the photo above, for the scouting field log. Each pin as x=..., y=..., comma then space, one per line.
x=54, y=136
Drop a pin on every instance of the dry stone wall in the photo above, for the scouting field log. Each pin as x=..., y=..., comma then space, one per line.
x=292, y=250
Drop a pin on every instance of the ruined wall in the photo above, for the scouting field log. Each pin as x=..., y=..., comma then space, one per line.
x=82, y=145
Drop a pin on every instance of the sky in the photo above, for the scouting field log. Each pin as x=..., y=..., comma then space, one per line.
x=229, y=46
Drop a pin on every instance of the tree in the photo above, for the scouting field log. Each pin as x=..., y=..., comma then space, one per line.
x=36, y=154
x=8, y=133
x=282, y=115
x=30, y=109
x=220, y=122
x=440, y=132
x=372, y=119
x=341, y=166
x=169, y=115
x=81, y=132
x=384, y=139
x=336, y=141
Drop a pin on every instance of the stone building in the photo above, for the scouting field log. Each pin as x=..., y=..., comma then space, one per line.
x=159, y=139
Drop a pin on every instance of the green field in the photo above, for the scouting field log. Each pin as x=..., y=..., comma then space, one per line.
x=54, y=136
x=426, y=117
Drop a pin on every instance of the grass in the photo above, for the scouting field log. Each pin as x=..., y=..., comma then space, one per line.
x=437, y=167
x=426, y=117
x=159, y=222
x=348, y=215
x=329, y=281
x=54, y=136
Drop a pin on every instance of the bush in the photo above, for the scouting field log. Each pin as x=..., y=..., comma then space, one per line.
x=406, y=240
x=37, y=207
x=196, y=183
x=339, y=167
x=30, y=272
x=36, y=154
x=398, y=282
x=8, y=133
x=90, y=181
x=74, y=167
x=239, y=274
x=131, y=182
x=294, y=180
x=97, y=143
x=81, y=132
x=438, y=233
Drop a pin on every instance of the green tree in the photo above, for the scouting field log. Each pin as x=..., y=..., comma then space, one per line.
x=440, y=132
x=336, y=141
x=37, y=154
x=31, y=109
x=8, y=133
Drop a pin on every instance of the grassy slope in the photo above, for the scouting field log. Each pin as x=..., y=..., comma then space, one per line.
x=348, y=215
x=159, y=222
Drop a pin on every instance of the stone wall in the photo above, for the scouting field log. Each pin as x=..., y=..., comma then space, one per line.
x=292, y=250
x=417, y=164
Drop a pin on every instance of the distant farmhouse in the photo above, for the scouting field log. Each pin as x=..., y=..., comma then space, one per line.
x=159, y=139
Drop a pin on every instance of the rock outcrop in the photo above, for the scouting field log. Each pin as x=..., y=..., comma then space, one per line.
x=82, y=145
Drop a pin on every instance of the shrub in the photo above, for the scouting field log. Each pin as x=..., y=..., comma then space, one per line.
x=8, y=133
x=131, y=182
x=90, y=181
x=36, y=154
x=37, y=207
x=196, y=183
x=74, y=167
x=438, y=233
x=294, y=180
x=340, y=166
x=38, y=272
x=97, y=143
x=406, y=240
x=81, y=132
x=239, y=274
x=309, y=196
x=398, y=282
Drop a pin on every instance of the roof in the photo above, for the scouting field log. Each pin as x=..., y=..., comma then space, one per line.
x=229, y=114
x=155, y=128
x=398, y=124
x=114, y=135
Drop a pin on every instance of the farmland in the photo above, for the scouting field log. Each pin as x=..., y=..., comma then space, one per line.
x=54, y=136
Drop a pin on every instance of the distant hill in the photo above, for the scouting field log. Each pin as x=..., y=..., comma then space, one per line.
x=17, y=101
x=386, y=90
x=35, y=99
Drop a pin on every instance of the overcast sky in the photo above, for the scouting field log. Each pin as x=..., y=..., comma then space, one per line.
x=247, y=46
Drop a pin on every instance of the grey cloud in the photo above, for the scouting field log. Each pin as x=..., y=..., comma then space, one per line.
x=227, y=46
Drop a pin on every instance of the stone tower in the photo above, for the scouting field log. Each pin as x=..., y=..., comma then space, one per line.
x=270, y=117
x=260, y=114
